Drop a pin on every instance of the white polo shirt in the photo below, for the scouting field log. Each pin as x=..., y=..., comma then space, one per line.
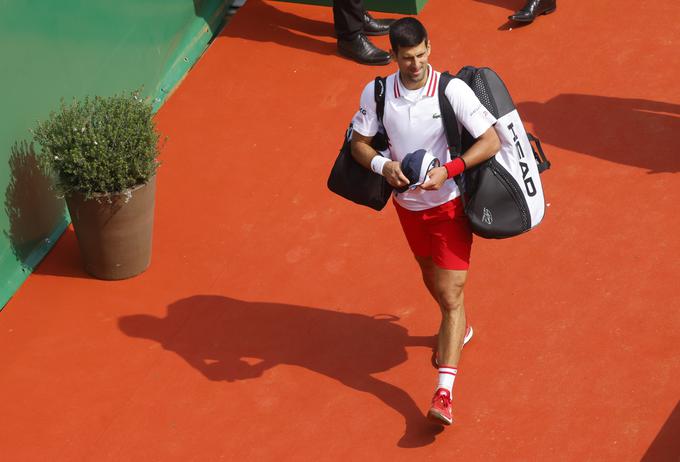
x=413, y=121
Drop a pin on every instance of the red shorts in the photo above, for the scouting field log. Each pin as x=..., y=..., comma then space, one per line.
x=442, y=232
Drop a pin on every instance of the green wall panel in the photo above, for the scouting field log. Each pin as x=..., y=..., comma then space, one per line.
x=392, y=6
x=71, y=48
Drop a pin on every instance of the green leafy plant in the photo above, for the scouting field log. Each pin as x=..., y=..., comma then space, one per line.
x=100, y=145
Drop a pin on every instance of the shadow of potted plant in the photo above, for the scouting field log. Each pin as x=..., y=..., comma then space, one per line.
x=103, y=154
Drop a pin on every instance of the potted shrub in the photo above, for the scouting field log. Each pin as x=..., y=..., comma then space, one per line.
x=103, y=154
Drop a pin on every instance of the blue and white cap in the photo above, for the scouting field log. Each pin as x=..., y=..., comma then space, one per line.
x=416, y=166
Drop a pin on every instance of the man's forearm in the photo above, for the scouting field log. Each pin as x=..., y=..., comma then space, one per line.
x=363, y=153
x=484, y=148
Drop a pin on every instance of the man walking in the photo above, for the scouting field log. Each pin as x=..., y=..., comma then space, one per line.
x=431, y=215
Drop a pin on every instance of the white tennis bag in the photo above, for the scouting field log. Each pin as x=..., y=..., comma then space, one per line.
x=503, y=196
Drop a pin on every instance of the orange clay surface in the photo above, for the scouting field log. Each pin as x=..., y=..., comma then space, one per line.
x=278, y=322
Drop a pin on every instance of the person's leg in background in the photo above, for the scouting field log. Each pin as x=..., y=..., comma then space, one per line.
x=352, y=24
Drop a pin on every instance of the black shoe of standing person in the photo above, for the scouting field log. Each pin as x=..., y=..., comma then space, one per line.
x=374, y=26
x=534, y=8
x=363, y=51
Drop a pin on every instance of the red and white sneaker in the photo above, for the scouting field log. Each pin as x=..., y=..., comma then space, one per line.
x=468, y=336
x=441, y=407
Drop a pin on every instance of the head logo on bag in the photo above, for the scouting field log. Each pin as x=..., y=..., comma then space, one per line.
x=524, y=166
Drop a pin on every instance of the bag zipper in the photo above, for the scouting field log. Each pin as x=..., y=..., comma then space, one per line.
x=514, y=190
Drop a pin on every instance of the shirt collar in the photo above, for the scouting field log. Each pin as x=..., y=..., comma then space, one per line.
x=430, y=88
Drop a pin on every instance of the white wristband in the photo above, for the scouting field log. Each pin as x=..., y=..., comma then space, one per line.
x=378, y=163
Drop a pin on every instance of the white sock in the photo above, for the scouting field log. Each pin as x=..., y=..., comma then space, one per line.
x=447, y=376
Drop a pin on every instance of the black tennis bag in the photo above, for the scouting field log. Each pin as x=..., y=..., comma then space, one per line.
x=351, y=180
x=503, y=197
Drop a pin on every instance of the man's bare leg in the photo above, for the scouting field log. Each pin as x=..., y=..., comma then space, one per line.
x=446, y=287
x=449, y=285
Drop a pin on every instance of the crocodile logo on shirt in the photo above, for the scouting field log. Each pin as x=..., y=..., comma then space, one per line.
x=436, y=116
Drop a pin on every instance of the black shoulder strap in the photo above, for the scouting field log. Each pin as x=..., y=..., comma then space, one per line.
x=379, y=93
x=450, y=122
x=449, y=116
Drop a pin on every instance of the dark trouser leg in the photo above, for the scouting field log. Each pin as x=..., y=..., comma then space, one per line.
x=348, y=18
x=352, y=42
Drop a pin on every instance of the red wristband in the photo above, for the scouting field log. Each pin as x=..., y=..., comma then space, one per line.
x=455, y=167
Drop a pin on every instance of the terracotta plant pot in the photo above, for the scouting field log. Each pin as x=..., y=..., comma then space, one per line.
x=114, y=231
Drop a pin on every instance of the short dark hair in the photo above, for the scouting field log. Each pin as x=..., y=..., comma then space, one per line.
x=407, y=32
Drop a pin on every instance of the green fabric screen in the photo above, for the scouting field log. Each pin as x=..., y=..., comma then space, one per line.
x=72, y=48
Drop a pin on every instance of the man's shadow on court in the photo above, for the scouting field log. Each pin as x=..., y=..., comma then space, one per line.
x=226, y=339
x=264, y=22
x=636, y=132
